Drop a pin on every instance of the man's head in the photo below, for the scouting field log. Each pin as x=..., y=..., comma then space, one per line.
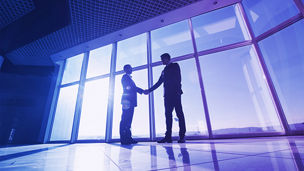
x=128, y=69
x=165, y=58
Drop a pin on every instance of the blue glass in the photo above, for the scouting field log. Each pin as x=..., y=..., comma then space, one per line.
x=99, y=61
x=132, y=51
x=191, y=101
x=94, y=110
x=238, y=97
x=264, y=15
x=72, y=69
x=64, y=114
x=174, y=39
x=284, y=56
x=140, y=125
x=219, y=28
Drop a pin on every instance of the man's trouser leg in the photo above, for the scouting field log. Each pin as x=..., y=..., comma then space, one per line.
x=125, y=124
x=180, y=116
x=168, y=113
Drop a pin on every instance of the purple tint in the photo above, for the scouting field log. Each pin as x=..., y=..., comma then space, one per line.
x=174, y=39
x=72, y=69
x=264, y=15
x=219, y=28
x=239, y=101
x=283, y=54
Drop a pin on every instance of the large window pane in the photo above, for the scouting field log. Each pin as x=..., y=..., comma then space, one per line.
x=132, y=51
x=284, y=56
x=191, y=102
x=174, y=39
x=218, y=28
x=99, y=61
x=64, y=114
x=94, y=110
x=140, y=124
x=72, y=69
x=238, y=98
x=264, y=15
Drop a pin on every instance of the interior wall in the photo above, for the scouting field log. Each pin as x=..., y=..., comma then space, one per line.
x=23, y=98
x=1, y=61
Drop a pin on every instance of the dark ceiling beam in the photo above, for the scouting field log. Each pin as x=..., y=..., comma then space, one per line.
x=47, y=17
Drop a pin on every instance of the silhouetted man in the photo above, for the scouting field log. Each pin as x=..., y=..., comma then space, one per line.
x=129, y=102
x=171, y=77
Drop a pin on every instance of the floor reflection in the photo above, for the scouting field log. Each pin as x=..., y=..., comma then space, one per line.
x=271, y=153
x=296, y=154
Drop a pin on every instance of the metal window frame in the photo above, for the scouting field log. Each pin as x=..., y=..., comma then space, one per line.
x=109, y=123
x=150, y=84
x=52, y=112
x=78, y=106
x=110, y=107
x=269, y=81
x=200, y=78
x=49, y=103
x=300, y=6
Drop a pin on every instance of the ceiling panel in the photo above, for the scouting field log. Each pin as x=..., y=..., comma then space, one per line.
x=11, y=10
x=91, y=19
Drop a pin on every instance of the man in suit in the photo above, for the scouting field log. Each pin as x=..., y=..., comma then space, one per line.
x=129, y=102
x=171, y=77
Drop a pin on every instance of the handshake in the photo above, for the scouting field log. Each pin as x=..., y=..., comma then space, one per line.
x=146, y=92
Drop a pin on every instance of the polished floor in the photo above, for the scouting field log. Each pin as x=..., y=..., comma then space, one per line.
x=270, y=153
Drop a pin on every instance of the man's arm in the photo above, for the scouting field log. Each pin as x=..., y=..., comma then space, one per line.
x=157, y=84
x=178, y=73
x=139, y=90
x=129, y=84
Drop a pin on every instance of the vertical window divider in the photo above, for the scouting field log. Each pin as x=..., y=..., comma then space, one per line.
x=200, y=77
x=109, y=122
x=150, y=84
x=51, y=117
x=78, y=106
x=269, y=81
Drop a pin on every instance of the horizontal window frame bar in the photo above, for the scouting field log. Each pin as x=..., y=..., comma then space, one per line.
x=279, y=27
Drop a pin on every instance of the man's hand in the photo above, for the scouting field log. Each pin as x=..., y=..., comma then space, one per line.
x=146, y=92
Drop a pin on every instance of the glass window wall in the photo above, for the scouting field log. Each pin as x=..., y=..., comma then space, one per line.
x=132, y=51
x=72, y=69
x=174, y=39
x=218, y=28
x=99, y=61
x=264, y=15
x=238, y=98
x=64, y=114
x=94, y=110
x=284, y=56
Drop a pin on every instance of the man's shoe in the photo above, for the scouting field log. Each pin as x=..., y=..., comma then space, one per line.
x=126, y=143
x=133, y=141
x=165, y=140
x=182, y=140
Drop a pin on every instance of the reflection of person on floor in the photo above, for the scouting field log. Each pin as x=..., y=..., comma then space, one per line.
x=184, y=154
x=171, y=77
x=124, y=159
x=129, y=102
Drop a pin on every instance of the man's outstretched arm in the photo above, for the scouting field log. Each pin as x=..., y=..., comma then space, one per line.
x=156, y=85
x=139, y=90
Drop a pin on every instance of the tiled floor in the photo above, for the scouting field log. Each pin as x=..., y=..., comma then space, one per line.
x=271, y=153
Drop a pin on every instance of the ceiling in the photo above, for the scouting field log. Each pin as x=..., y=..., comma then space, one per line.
x=51, y=31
